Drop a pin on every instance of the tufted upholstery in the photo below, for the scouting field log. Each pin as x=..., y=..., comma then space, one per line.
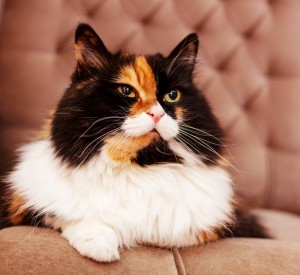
x=249, y=69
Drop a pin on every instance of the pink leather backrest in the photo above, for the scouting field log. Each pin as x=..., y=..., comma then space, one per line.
x=249, y=69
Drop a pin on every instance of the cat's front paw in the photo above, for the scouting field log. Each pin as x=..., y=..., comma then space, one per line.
x=98, y=242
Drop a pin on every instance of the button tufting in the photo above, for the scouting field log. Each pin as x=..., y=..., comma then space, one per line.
x=251, y=74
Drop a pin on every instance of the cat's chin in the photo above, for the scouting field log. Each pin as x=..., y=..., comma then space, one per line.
x=153, y=134
x=154, y=131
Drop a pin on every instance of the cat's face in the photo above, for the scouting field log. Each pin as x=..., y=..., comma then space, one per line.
x=138, y=109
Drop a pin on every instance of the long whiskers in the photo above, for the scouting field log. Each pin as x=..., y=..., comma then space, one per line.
x=97, y=121
x=197, y=131
x=190, y=133
x=98, y=140
x=184, y=46
x=201, y=132
x=201, y=142
x=187, y=145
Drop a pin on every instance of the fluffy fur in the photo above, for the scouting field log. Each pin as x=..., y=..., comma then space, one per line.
x=166, y=205
x=131, y=155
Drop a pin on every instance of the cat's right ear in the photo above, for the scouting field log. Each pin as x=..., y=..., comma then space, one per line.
x=183, y=57
x=90, y=51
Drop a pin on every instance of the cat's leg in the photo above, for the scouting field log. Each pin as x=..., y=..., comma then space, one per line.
x=93, y=240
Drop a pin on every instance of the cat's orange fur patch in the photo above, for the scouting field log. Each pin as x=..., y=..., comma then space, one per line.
x=179, y=111
x=78, y=49
x=203, y=237
x=46, y=128
x=124, y=149
x=140, y=76
x=207, y=237
x=16, y=209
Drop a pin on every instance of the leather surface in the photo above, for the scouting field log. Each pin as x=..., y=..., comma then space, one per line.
x=249, y=69
x=44, y=251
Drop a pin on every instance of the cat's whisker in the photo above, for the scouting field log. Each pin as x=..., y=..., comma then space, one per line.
x=199, y=153
x=97, y=121
x=188, y=147
x=185, y=118
x=199, y=130
x=169, y=68
x=123, y=109
x=101, y=130
x=201, y=142
x=208, y=147
x=124, y=143
x=202, y=132
x=71, y=109
x=199, y=138
x=127, y=140
x=97, y=141
x=178, y=65
x=87, y=155
x=164, y=153
x=114, y=145
x=182, y=61
x=192, y=58
x=196, y=131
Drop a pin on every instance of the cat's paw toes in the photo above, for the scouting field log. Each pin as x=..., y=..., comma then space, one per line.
x=100, y=243
x=98, y=248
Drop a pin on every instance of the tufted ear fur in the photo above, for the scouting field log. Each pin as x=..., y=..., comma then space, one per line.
x=90, y=51
x=184, y=55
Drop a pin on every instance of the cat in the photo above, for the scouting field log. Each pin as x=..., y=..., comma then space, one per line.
x=131, y=155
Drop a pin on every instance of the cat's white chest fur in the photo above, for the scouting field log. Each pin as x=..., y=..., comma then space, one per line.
x=165, y=204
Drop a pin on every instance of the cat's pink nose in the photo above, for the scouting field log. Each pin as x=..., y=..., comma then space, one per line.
x=156, y=112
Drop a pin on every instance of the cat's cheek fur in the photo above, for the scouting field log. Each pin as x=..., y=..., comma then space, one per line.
x=167, y=127
x=138, y=125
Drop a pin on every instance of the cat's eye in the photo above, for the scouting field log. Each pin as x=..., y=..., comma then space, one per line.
x=127, y=91
x=172, y=96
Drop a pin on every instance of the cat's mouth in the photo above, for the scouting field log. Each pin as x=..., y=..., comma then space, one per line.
x=154, y=133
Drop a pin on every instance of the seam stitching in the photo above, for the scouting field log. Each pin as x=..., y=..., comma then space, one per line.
x=178, y=262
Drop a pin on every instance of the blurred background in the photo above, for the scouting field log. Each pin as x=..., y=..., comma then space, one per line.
x=248, y=69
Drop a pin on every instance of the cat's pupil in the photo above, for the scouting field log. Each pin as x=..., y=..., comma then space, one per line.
x=126, y=90
x=173, y=94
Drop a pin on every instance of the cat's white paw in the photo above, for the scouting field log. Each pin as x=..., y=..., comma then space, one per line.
x=98, y=242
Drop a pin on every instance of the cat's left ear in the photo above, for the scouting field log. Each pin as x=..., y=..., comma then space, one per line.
x=90, y=51
x=185, y=53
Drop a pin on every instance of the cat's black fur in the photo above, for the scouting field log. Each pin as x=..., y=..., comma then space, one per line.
x=245, y=225
x=97, y=98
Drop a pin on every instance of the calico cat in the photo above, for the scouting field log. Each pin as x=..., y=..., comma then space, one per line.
x=131, y=155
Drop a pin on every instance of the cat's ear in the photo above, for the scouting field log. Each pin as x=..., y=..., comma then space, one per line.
x=184, y=55
x=90, y=51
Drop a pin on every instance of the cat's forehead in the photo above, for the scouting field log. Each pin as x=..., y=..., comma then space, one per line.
x=140, y=76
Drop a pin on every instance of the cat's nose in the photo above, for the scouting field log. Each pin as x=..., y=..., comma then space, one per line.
x=156, y=112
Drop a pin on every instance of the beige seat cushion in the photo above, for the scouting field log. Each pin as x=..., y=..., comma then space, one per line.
x=281, y=225
x=29, y=250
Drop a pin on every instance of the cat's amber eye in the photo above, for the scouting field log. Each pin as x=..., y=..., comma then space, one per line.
x=127, y=91
x=172, y=96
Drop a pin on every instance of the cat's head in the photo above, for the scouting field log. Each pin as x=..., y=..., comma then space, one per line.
x=142, y=109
